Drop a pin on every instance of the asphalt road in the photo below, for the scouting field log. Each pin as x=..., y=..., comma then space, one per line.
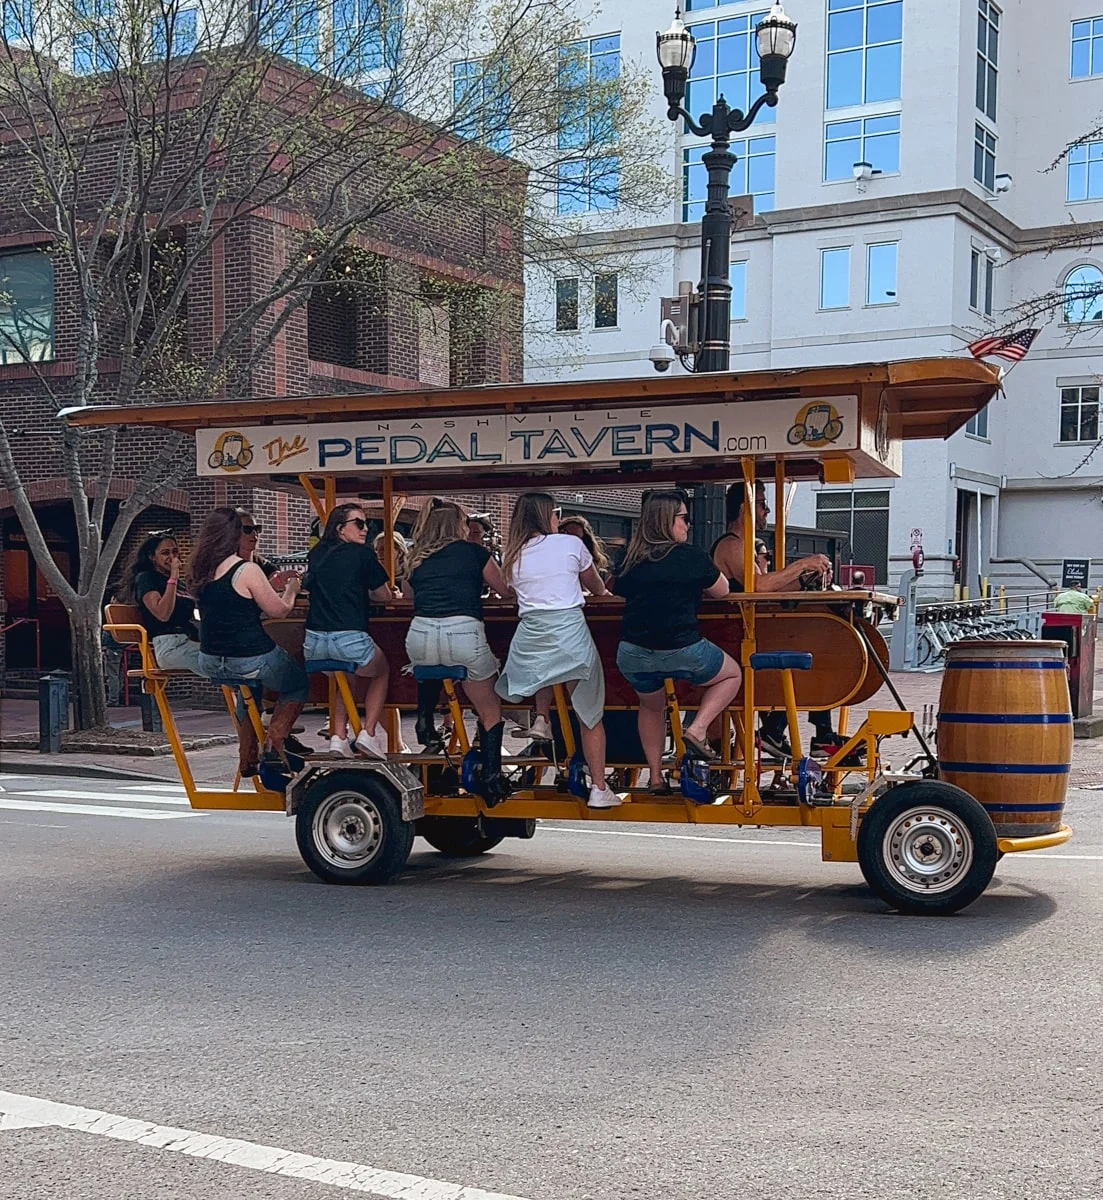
x=595, y=1013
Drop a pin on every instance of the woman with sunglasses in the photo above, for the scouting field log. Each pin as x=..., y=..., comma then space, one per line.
x=154, y=586
x=662, y=580
x=234, y=596
x=548, y=570
x=447, y=575
x=342, y=573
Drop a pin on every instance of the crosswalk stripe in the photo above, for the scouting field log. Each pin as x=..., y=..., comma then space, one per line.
x=73, y=794
x=92, y=810
x=175, y=788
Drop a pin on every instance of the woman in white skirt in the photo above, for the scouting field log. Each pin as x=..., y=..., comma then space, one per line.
x=548, y=570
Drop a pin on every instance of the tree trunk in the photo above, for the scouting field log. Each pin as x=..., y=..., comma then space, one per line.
x=89, y=697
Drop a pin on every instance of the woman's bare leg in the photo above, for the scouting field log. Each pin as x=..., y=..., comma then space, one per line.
x=652, y=726
x=484, y=700
x=593, y=745
x=720, y=691
x=378, y=674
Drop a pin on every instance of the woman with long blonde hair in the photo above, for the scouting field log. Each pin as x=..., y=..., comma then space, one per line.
x=662, y=580
x=548, y=570
x=445, y=576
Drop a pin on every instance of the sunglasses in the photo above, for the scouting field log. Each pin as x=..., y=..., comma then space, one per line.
x=162, y=533
x=251, y=529
x=557, y=513
x=685, y=517
x=359, y=522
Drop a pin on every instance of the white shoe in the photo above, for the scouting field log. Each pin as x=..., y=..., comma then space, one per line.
x=603, y=797
x=340, y=745
x=373, y=746
x=540, y=730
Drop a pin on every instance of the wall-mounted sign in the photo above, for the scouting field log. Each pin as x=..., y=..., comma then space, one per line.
x=1075, y=571
x=689, y=433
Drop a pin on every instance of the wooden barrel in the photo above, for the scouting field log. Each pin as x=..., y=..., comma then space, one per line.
x=1005, y=731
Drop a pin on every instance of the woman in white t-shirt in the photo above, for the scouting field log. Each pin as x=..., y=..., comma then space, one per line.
x=548, y=570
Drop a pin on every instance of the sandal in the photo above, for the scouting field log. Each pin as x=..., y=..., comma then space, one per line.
x=699, y=750
x=662, y=788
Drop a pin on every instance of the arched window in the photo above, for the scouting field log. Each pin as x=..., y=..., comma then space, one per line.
x=1083, y=295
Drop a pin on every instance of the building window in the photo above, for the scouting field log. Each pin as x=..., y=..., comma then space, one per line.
x=726, y=64
x=737, y=276
x=984, y=157
x=988, y=57
x=16, y=20
x=588, y=75
x=864, y=44
x=1080, y=414
x=588, y=185
x=289, y=28
x=863, y=520
x=982, y=281
x=977, y=426
x=95, y=44
x=566, y=305
x=875, y=140
x=480, y=100
x=367, y=36
x=1083, y=290
x=881, y=273
x=1085, y=172
x=26, y=307
x=1087, y=48
x=605, y=301
x=752, y=175
x=835, y=277
x=174, y=32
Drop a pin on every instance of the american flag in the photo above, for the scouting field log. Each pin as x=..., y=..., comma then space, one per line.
x=1012, y=347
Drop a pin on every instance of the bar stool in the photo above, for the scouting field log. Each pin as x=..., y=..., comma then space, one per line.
x=231, y=688
x=808, y=772
x=341, y=673
x=449, y=677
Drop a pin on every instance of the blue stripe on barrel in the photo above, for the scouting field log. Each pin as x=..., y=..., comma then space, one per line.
x=1019, y=664
x=1006, y=718
x=1008, y=768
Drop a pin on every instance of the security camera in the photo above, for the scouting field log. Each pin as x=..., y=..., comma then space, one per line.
x=863, y=171
x=661, y=355
x=1003, y=183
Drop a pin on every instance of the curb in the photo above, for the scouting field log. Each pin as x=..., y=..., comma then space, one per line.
x=56, y=765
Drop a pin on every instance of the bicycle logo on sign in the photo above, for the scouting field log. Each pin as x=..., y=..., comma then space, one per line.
x=232, y=452
x=817, y=425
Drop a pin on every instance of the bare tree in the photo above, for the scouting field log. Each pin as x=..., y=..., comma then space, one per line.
x=141, y=136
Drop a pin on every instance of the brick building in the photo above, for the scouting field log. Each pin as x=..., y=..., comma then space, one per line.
x=425, y=296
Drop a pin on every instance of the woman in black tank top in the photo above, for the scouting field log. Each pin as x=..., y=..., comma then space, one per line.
x=233, y=597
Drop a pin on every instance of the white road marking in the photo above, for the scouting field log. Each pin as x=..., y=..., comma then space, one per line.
x=353, y=1177
x=93, y=810
x=73, y=794
x=176, y=788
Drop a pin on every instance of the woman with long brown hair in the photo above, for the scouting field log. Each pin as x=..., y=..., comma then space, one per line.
x=662, y=580
x=577, y=526
x=548, y=570
x=153, y=579
x=446, y=575
x=233, y=597
x=342, y=572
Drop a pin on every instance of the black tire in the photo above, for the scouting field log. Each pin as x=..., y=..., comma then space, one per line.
x=349, y=829
x=456, y=837
x=796, y=434
x=215, y=459
x=933, y=819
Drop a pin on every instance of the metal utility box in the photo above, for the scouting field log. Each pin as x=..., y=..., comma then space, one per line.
x=1077, y=631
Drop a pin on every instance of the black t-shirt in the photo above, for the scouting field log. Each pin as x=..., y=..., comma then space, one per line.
x=661, y=598
x=181, y=619
x=449, y=583
x=338, y=578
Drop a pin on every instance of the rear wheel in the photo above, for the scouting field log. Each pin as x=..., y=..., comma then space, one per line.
x=927, y=848
x=349, y=829
x=457, y=837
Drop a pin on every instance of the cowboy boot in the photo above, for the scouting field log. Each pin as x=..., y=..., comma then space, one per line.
x=428, y=694
x=280, y=726
x=495, y=787
x=247, y=748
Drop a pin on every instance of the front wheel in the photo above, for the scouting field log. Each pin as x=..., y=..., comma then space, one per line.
x=457, y=837
x=927, y=848
x=349, y=829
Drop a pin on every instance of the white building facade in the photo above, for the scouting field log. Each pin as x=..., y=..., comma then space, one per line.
x=963, y=110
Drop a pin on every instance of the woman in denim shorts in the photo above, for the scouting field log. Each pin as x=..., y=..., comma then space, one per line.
x=342, y=571
x=662, y=580
x=446, y=576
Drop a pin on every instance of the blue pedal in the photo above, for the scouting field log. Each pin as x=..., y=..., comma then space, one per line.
x=576, y=778
x=275, y=776
x=694, y=781
x=471, y=772
x=809, y=777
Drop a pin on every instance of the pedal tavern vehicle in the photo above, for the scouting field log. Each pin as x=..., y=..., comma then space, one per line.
x=923, y=844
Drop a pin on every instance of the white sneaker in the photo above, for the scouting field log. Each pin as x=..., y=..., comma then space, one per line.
x=540, y=730
x=603, y=797
x=374, y=746
x=340, y=745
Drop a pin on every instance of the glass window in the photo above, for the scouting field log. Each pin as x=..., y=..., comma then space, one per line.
x=289, y=28
x=588, y=185
x=605, y=301
x=862, y=518
x=984, y=157
x=589, y=72
x=982, y=279
x=1079, y=414
x=95, y=44
x=875, y=140
x=1084, y=172
x=566, y=304
x=864, y=45
x=16, y=20
x=726, y=63
x=881, y=273
x=1087, y=48
x=835, y=278
x=178, y=26
x=26, y=307
x=752, y=175
x=737, y=276
x=367, y=36
x=1083, y=295
x=978, y=425
x=480, y=101
x=988, y=57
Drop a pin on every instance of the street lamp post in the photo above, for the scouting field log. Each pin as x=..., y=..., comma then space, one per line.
x=776, y=37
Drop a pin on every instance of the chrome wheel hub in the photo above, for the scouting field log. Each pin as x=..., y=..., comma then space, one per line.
x=347, y=829
x=928, y=850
